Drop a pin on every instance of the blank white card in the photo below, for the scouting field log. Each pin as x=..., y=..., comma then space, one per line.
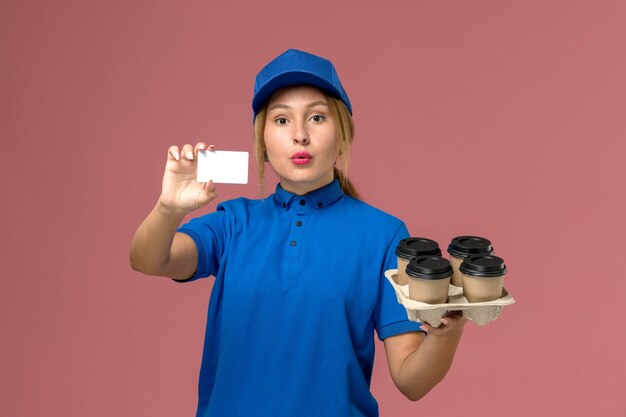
x=224, y=167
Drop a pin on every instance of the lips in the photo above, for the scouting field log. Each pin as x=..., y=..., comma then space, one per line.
x=301, y=158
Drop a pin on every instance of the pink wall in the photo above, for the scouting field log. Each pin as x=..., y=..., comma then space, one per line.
x=503, y=119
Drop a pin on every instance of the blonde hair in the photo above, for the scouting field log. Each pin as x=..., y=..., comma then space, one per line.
x=344, y=127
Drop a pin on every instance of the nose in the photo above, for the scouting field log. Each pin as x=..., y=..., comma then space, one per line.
x=301, y=140
x=300, y=134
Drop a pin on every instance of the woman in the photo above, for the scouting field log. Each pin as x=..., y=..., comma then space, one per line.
x=299, y=287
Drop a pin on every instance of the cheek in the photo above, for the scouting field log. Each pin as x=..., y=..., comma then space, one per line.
x=270, y=139
x=331, y=144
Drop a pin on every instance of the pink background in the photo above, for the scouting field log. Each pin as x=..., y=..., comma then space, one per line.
x=502, y=119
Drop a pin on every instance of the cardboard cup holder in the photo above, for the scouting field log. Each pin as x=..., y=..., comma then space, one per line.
x=479, y=313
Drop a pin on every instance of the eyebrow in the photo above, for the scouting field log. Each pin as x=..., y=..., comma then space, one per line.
x=310, y=105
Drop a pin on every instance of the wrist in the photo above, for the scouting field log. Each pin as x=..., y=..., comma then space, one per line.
x=447, y=337
x=169, y=212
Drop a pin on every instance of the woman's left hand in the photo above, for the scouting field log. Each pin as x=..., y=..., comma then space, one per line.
x=451, y=325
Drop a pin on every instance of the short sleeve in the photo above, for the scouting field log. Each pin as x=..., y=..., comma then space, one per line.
x=209, y=235
x=390, y=316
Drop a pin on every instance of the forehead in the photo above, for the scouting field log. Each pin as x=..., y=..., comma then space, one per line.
x=296, y=93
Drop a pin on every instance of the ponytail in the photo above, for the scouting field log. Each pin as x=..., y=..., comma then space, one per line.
x=346, y=185
x=343, y=145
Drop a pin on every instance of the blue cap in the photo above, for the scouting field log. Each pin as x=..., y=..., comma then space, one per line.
x=294, y=67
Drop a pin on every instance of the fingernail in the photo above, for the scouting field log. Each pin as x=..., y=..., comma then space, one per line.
x=424, y=328
x=190, y=155
x=445, y=321
x=176, y=156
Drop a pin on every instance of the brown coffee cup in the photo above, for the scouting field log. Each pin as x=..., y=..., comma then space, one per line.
x=463, y=246
x=410, y=248
x=483, y=278
x=429, y=279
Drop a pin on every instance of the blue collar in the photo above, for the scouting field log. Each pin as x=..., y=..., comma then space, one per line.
x=319, y=198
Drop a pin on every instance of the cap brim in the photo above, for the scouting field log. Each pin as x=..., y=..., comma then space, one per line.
x=288, y=79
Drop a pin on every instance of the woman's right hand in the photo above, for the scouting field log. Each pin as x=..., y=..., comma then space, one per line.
x=181, y=193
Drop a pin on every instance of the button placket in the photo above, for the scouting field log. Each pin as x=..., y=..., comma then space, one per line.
x=299, y=211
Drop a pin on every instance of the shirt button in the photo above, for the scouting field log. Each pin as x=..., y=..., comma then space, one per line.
x=302, y=202
x=319, y=204
x=284, y=205
x=298, y=223
x=293, y=243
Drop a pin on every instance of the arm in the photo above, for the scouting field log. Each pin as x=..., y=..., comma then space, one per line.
x=157, y=249
x=417, y=362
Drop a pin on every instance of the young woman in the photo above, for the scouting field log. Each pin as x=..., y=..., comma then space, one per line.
x=299, y=287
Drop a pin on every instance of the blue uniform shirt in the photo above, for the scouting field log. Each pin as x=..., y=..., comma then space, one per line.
x=299, y=290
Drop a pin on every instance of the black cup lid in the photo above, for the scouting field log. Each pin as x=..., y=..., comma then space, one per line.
x=412, y=247
x=463, y=246
x=429, y=267
x=483, y=266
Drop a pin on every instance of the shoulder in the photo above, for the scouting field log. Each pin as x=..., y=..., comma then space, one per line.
x=241, y=204
x=368, y=221
x=226, y=213
x=366, y=211
x=242, y=209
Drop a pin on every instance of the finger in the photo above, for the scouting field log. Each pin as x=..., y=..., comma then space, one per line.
x=209, y=191
x=454, y=320
x=210, y=186
x=172, y=152
x=187, y=152
x=200, y=146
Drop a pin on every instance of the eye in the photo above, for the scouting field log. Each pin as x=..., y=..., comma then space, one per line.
x=318, y=118
x=280, y=121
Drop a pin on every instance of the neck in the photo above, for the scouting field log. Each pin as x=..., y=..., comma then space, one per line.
x=303, y=188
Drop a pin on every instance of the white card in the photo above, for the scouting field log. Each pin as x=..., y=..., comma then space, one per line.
x=224, y=167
